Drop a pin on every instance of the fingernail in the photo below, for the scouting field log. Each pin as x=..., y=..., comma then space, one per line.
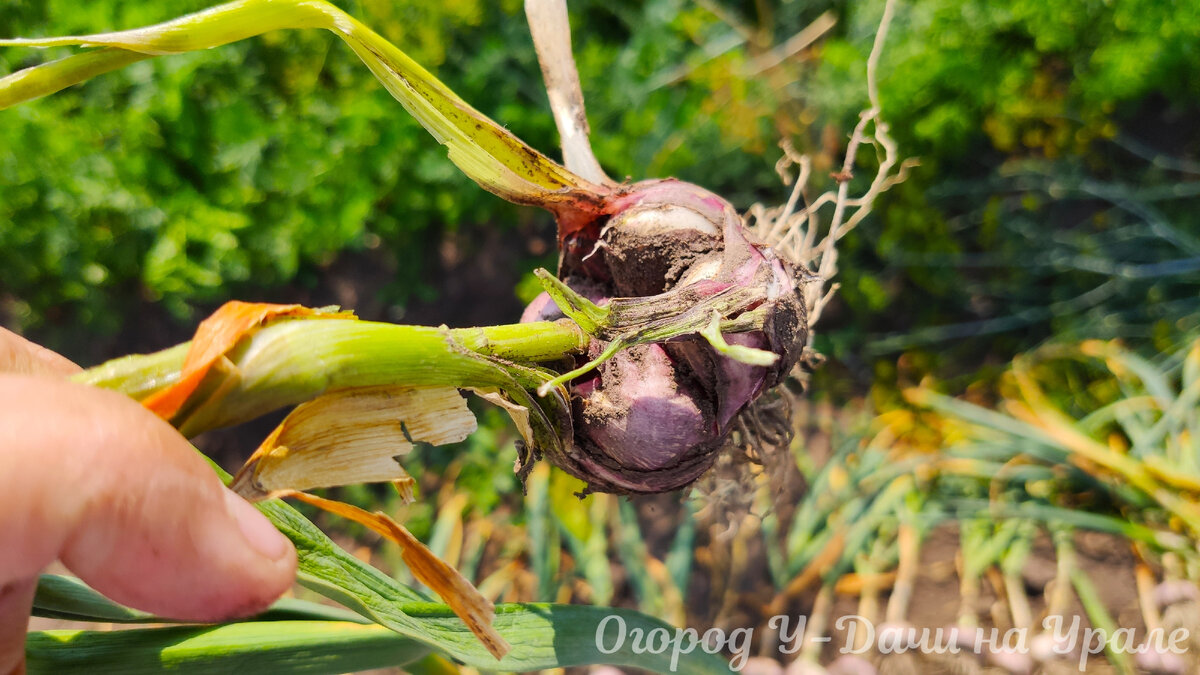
x=258, y=532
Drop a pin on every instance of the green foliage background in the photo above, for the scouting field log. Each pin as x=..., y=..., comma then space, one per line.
x=1058, y=189
x=1056, y=195
x=192, y=179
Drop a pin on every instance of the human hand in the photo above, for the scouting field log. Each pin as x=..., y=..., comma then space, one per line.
x=92, y=479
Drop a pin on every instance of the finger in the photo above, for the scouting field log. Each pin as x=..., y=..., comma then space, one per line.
x=16, y=599
x=18, y=355
x=92, y=478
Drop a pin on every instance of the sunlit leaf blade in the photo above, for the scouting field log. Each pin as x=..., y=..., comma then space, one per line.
x=485, y=151
x=542, y=635
x=68, y=598
x=247, y=647
x=53, y=76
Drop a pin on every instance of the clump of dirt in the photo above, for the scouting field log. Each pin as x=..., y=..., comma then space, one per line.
x=648, y=252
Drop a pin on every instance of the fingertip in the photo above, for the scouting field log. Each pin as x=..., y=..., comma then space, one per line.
x=215, y=558
x=258, y=532
x=20, y=356
x=94, y=479
x=260, y=562
x=156, y=529
x=266, y=548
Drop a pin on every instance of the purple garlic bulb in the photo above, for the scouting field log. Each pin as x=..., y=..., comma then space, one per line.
x=653, y=417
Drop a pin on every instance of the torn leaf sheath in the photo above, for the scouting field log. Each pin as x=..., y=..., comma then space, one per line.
x=353, y=436
x=214, y=338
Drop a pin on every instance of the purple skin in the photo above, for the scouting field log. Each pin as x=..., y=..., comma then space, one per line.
x=541, y=309
x=652, y=418
x=648, y=431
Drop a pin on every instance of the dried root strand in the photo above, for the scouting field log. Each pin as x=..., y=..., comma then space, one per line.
x=795, y=233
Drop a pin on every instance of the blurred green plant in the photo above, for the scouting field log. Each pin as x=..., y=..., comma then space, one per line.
x=143, y=186
x=1057, y=187
x=1085, y=436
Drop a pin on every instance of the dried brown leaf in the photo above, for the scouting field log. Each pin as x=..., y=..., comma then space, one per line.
x=476, y=611
x=354, y=436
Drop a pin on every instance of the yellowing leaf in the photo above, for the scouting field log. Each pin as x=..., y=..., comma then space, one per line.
x=516, y=411
x=47, y=78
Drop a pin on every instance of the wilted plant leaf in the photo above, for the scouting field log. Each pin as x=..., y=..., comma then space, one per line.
x=475, y=610
x=518, y=413
x=358, y=436
x=353, y=436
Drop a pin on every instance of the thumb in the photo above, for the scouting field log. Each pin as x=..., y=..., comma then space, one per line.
x=92, y=478
x=18, y=355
